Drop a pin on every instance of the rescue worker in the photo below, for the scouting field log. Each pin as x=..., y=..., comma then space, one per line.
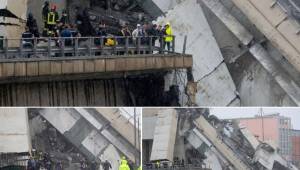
x=64, y=17
x=106, y=165
x=157, y=164
x=52, y=20
x=110, y=41
x=124, y=164
x=32, y=25
x=169, y=36
x=45, y=12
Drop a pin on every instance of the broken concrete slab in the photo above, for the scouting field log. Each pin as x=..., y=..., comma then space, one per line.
x=207, y=57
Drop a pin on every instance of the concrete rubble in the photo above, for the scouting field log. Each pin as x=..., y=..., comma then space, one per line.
x=208, y=143
x=71, y=137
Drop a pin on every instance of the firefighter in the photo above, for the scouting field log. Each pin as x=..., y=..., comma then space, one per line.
x=168, y=35
x=52, y=20
x=45, y=12
x=124, y=164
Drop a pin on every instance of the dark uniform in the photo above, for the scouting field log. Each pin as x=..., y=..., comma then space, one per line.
x=32, y=25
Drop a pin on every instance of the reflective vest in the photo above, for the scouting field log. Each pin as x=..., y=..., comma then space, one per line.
x=124, y=166
x=51, y=18
x=110, y=42
x=169, y=36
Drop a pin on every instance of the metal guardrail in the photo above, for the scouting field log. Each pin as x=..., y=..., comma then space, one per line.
x=47, y=47
x=177, y=168
x=185, y=167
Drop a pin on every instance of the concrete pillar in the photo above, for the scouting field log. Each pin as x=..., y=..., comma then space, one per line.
x=164, y=135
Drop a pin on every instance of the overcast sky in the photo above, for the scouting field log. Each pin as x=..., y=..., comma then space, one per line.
x=237, y=112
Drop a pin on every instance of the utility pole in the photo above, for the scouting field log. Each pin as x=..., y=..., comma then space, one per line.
x=262, y=124
x=135, y=159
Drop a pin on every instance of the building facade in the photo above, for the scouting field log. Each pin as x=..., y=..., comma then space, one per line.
x=295, y=139
x=272, y=128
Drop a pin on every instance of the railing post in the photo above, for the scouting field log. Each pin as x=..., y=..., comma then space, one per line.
x=184, y=44
x=89, y=46
x=139, y=45
x=76, y=47
x=101, y=44
x=126, y=44
x=173, y=44
x=49, y=46
x=62, y=47
x=162, y=45
x=151, y=45
x=34, y=46
x=6, y=47
x=21, y=48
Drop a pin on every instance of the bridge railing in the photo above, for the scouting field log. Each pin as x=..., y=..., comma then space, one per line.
x=179, y=168
x=46, y=47
x=175, y=167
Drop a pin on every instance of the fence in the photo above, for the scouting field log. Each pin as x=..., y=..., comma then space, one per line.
x=185, y=167
x=83, y=46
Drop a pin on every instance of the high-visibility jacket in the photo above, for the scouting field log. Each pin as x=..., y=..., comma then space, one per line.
x=51, y=18
x=110, y=42
x=169, y=34
x=124, y=166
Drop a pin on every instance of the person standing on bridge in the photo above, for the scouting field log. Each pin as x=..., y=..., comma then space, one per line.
x=168, y=36
x=27, y=38
x=64, y=17
x=32, y=25
x=45, y=12
x=52, y=20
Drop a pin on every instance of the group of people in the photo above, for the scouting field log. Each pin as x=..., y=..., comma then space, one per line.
x=44, y=161
x=59, y=26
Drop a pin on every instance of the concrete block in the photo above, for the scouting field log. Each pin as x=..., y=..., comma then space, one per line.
x=32, y=69
x=158, y=63
x=110, y=65
x=89, y=66
x=99, y=65
x=56, y=67
x=67, y=67
x=188, y=61
x=164, y=135
x=78, y=66
x=150, y=63
x=169, y=62
x=44, y=68
x=131, y=64
x=121, y=64
x=20, y=69
x=140, y=63
x=179, y=61
x=8, y=69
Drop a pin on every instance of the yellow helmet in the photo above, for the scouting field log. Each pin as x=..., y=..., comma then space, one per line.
x=168, y=23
